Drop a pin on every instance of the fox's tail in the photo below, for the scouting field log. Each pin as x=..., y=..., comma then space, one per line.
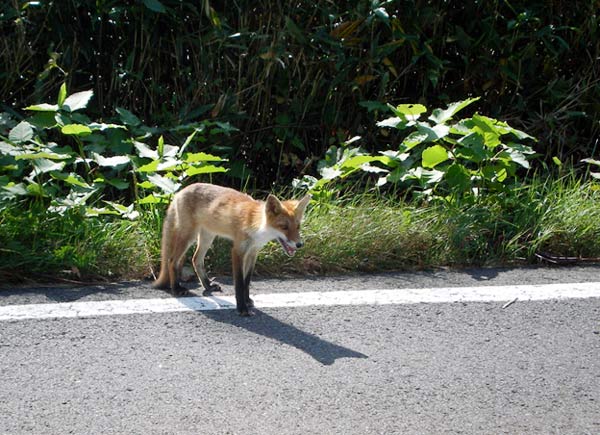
x=163, y=281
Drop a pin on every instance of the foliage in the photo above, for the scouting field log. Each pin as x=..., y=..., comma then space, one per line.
x=295, y=76
x=362, y=231
x=441, y=156
x=42, y=247
x=60, y=158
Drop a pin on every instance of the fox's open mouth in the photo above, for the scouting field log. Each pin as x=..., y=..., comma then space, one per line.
x=287, y=248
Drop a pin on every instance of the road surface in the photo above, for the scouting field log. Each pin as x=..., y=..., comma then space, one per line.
x=459, y=365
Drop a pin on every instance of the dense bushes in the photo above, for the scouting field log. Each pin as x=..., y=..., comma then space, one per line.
x=294, y=77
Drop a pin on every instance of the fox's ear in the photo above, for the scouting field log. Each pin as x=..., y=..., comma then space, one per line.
x=273, y=205
x=299, y=212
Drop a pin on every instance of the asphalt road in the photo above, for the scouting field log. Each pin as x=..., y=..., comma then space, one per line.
x=463, y=367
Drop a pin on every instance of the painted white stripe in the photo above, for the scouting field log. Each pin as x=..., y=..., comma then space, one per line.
x=288, y=300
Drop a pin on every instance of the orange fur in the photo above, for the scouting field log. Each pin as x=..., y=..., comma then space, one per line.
x=200, y=212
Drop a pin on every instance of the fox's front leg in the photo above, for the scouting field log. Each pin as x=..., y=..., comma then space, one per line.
x=249, y=263
x=237, y=261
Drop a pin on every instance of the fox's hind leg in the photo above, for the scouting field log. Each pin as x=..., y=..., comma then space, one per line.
x=175, y=262
x=204, y=242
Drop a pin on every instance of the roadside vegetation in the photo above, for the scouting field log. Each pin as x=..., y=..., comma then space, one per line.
x=417, y=153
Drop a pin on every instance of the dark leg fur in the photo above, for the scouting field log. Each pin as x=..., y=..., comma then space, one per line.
x=239, y=284
x=179, y=290
x=210, y=287
x=247, y=280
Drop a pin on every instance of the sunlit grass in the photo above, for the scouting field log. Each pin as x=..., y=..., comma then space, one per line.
x=359, y=233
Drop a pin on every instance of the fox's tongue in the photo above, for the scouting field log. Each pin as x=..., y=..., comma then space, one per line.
x=289, y=250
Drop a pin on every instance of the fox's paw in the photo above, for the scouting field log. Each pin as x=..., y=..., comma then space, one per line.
x=246, y=313
x=213, y=287
x=179, y=290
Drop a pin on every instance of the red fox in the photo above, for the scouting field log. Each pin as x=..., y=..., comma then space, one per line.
x=203, y=211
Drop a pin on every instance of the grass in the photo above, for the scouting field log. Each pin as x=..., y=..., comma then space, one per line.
x=363, y=233
x=36, y=247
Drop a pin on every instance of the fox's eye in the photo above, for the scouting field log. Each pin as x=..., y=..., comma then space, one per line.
x=284, y=227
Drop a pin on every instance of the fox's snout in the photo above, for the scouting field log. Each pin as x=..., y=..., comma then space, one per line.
x=289, y=246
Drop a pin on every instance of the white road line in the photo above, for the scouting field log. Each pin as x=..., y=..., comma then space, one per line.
x=289, y=300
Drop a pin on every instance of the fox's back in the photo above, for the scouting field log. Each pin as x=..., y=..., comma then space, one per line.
x=218, y=209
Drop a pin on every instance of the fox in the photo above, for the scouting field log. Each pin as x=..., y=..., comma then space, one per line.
x=201, y=211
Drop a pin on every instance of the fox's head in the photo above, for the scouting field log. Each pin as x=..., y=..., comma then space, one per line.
x=284, y=217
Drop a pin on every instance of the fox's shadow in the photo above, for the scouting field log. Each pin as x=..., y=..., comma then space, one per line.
x=263, y=324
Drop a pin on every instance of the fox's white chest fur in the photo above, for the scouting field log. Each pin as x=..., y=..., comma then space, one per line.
x=263, y=235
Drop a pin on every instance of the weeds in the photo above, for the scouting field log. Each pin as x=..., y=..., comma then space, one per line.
x=355, y=233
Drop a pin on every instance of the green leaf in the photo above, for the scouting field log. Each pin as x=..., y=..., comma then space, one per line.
x=329, y=173
x=506, y=129
x=440, y=116
x=149, y=167
x=425, y=176
x=76, y=130
x=115, y=182
x=520, y=147
x=101, y=126
x=411, y=112
x=414, y=139
x=169, y=150
x=592, y=161
x=44, y=107
x=557, y=161
x=146, y=185
x=22, y=132
x=487, y=127
x=152, y=199
x=472, y=148
x=155, y=5
x=8, y=149
x=77, y=101
x=43, y=155
x=358, y=161
x=204, y=169
x=201, y=157
x=36, y=189
x=393, y=122
x=433, y=133
x=43, y=120
x=126, y=212
x=110, y=161
x=62, y=94
x=15, y=189
x=165, y=184
x=128, y=118
x=42, y=166
x=161, y=146
x=518, y=157
x=458, y=177
x=187, y=141
x=434, y=155
x=95, y=212
x=145, y=151
x=71, y=178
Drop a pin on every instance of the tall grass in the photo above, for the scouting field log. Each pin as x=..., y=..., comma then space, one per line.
x=356, y=233
x=39, y=247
